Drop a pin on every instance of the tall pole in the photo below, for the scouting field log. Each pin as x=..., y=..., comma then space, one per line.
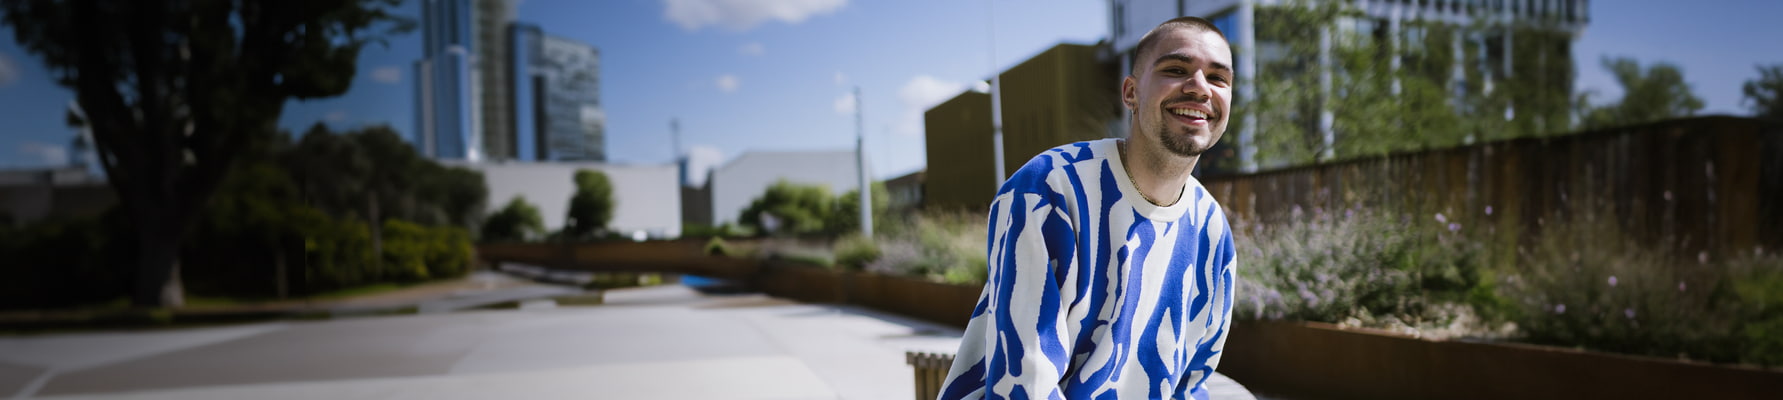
x=675, y=154
x=996, y=101
x=860, y=160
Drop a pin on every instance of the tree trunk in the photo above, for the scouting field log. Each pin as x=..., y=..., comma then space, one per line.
x=377, y=231
x=157, y=269
x=281, y=278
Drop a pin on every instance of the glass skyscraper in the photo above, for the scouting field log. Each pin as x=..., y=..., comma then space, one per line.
x=557, y=112
x=444, y=117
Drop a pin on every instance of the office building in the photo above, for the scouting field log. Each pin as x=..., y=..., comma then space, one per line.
x=557, y=112
x=1468, y=48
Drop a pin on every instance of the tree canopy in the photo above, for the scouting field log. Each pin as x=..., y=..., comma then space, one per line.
x=1765, y=93
x=517, y=221
x=1650, y=93
x=171, y=88
x=591, y=208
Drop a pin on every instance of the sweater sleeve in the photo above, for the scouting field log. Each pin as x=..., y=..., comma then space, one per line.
x=1015, y=345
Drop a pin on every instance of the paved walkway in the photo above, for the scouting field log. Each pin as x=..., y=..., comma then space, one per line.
x=648, y=343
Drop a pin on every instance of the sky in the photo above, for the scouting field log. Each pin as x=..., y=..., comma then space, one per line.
x=748, y=75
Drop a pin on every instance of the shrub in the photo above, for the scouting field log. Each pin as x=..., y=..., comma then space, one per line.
x=591, y=208
x=1363, y=267
x=855, y=251
x=717, y=247
x=946, y=246
x=518, y=221
x=64, y=262
x=1587, y=282
x=788, y=208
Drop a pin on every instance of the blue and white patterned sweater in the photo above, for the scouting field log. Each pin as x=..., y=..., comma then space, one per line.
x=1093, y=292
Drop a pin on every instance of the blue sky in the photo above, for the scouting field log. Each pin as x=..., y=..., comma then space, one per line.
x=741, y=76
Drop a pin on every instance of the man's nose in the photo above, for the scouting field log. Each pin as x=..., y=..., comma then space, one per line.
x=1196, y=86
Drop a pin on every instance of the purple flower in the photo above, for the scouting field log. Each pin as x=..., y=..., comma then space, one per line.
x=1488, y=210
x=1559, y=308
x=1454, y=227
x=1680, y=286
x=1441, y=219
x=1702, y=257
x=1628, y=312
x=1612, y=281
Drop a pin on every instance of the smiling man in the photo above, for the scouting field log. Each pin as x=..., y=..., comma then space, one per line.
x=1111, y=267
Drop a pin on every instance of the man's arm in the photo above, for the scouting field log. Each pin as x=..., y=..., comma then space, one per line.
x=1213, y=344
x=1026, y=332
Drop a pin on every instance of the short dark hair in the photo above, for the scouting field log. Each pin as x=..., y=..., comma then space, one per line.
x=1151, y=38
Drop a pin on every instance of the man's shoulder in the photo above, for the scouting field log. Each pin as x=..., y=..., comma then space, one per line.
x=1039, y=173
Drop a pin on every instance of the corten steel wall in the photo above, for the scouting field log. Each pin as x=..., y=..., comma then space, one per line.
x=1712, y=182
x=1062, y=95
x=958, y=141
x=1321, y=361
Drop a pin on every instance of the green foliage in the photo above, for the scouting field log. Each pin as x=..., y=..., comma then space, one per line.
x=691, y=230
x=718, y=247
x=1765, y=93
x=1589, y=283
x=414, y=253
x=1377, y=108
x=854, y=251
x=169, y=88
x=292, y=219
x=946, y=246
x=518, y=221
x=591, y=208
x=788, y=208
x=372, y=174
x=1653, y=93
x=61, y=262
x=1373, y=267
x=846, y=217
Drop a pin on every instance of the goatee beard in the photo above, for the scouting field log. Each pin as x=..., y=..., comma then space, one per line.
x=1177, y=144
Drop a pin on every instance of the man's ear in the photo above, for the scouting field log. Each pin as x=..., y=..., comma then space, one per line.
x=1130, y=93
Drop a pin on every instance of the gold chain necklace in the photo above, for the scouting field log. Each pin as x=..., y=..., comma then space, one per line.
x=1129, y=170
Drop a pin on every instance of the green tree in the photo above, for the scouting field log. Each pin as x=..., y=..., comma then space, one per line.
x=846, y=217
x=517, y=221
x=170, y=87
x=1653, y=93
x=789, y=208
x=1765, y=93
x=591, y=208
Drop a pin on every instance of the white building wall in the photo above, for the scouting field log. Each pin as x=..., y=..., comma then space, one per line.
x=647, y=197
x=741, y=181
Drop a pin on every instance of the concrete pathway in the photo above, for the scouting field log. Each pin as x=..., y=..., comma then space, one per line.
x=648, y=343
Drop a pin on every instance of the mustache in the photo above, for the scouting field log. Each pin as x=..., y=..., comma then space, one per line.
x=1185, y=98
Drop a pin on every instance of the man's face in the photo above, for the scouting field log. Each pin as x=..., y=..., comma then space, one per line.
x=1181, y=91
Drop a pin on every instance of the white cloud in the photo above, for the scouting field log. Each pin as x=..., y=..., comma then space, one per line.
x=917, y=96
x=44, y=153
x=741, y=15
x=728, y=83
x=336, y=116
x=387, y=74
x=752, y=49
x=981, y=86
x=845, y=104
x=841, y=78
x=700, y=159
x=9, y=71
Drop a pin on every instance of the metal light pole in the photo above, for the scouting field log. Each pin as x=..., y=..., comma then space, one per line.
x=996, y=101
x=860, y=160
